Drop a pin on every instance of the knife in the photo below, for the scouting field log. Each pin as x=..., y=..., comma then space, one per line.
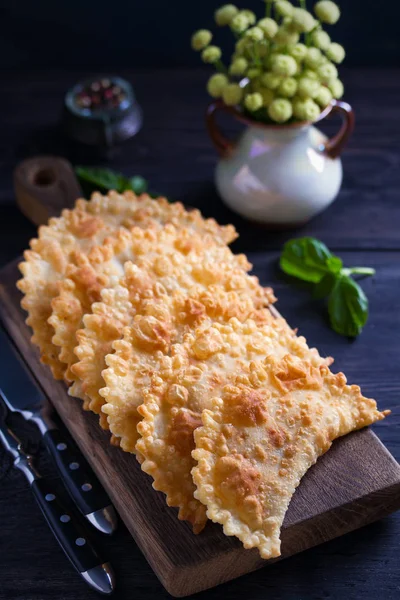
x=68, y=531
x=22, y=394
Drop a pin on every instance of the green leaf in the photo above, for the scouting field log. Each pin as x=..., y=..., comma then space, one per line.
x=348, y=307
x=324, y=287
x=308, y=259
x=334, y=264
x=103, y=179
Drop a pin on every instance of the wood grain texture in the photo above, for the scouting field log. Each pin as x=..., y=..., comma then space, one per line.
x=174, y=152
x=355, y=483
x=362, y=225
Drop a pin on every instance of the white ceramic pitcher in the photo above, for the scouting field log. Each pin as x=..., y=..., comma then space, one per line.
x=280, y=175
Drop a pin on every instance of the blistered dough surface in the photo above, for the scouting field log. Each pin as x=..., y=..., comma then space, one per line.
x=259, y=438
x=87, y=225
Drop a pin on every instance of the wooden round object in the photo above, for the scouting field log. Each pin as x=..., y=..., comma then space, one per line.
x=43, y=186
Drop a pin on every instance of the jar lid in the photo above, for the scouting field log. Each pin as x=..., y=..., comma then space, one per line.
x=101, y=111
x=105, y=97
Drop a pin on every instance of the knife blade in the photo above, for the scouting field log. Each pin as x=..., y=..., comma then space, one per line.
x=68, y=531
x=22, y=394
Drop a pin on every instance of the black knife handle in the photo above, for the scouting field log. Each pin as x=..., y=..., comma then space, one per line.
x=70, y=534
x=79, y=479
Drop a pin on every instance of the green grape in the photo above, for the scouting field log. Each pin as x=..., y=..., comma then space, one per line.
x=310, y=74
x=287, y=88
x=232, y=94
x=201, y=39
x=327, y=12
x=286, y=37
x=287, y=23
x=238, y=66
x=284, y=8
x=336, y=52
x=321, y=39
x=250, y=16
x=280, y=110
x=239, y=23
x=224, y=15
x=307, y=88
x=255, y=33
x=336, y=88
x=302, y=20
x=211, y=54
x=283, y=64
x=285, y=77
x=253, y=102
x=327, y=72
x=313, y=58
x=299, y=52
x=306, y=109
x=216, y=84
x=323, y=60
x=269, y=27
x=324, y=96
x=271, y=80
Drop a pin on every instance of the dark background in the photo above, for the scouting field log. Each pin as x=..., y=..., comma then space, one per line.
x=96, y=35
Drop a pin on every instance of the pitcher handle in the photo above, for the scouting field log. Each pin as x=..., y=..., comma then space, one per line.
x=333, y=147
x=223, y=146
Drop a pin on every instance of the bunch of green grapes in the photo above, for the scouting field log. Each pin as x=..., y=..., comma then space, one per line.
x=283, y=65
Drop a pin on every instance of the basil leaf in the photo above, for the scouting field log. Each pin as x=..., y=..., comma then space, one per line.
x=334, y=264
x=324, y=287
x=103, y=179
x=307, y=259
x=347, y=307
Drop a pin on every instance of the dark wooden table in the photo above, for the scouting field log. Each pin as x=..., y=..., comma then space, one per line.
x=363, y=226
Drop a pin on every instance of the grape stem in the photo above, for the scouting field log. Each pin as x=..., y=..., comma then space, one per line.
x=220, y=67
x=358, y=271
x=256, y=56
x=306, y=35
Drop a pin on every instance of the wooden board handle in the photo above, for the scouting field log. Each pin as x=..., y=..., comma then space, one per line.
x=43, y=186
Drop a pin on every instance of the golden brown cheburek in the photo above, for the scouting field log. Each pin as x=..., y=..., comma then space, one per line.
x=261, y=435
x=168, y=368
x=199, y=359
x=165, y=260
x=162, y=321
x=165, y=254
x=87, y=225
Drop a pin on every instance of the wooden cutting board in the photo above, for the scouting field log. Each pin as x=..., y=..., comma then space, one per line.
x=355, y=483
